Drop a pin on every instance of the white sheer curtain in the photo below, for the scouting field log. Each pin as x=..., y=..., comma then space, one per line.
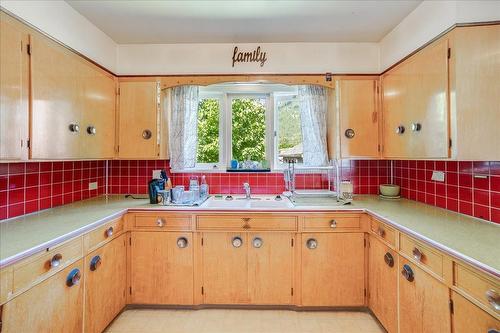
x=313, y=103
x=183, y=136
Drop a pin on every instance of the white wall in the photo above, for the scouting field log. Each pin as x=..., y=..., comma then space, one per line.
x=217, y=58
x=62, y=22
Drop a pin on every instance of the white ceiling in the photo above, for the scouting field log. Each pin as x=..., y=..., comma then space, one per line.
x=244, y=21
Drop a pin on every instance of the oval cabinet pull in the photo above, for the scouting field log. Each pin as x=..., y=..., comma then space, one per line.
x=416, y=127
x=493, y=298
x=333, y=224
x=95, y=262
x=349, y=133
x=182, y=242
x=160, y=222
x=109, y=232
x=147, y=134
x=408, y=273
x=381, y=232
x=91, y=130
x=389, y=259
x=74, y=128
x=55, y=260
x=73, y=277
x=400, y=129
x=257, y=242
x=237, y=242
x=417, y=254
x=311, y=243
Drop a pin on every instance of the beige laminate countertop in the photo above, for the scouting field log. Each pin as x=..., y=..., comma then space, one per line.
x=472, y=240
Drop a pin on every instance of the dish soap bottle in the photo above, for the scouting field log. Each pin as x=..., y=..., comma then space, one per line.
x=203, y=187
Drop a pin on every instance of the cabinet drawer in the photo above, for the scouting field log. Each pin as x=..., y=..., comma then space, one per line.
x=103, y=234
x=383, y=232
x=478, y=286
x=247, y=222
x=5, y=284
x=45, y=264
x=163, y=222
x=331, y=222
x=422, y=254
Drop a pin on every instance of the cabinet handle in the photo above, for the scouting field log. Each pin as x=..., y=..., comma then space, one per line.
x=182, y=242
x=91, y=130
x=408, y=273
x=493, y=298
x=416, y=127
x=333, y=224
x=160, y=222
x=73, y=277
x=311, y=243
x=417, y=254
x=55, y=260
x=389, y=259
x=237, y=242
x=492, y=330
x=257, y=242
x=109, y=232
x=349, y=133
x=95, y=262
x=74, y=128
x=381, y=232
x=400, y=129
x=147, y=134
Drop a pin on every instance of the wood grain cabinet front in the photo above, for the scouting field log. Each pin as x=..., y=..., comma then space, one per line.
x=332, y=222
x=105, y=284
x=55, y=305
x=468, y=318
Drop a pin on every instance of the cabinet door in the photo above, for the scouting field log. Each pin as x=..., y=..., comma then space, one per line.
x=225, y=268
x=162, y=268
x=105, y=284
x=137, y=114
x=51, y=306
x=383, y=283
x=270, y=268
x=358, y=116
x=333, y=269
x=415, y=96
x=468, y=318
x=423, y=301
x=14, y=69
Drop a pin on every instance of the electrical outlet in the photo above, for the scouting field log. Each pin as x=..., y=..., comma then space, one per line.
x=438, y=176
x=93, y=186
x=156, y=174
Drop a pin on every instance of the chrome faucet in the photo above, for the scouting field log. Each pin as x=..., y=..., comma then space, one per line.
x=246, y=187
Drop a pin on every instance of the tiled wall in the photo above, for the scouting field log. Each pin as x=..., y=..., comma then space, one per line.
x=33, y=186
x=131, y=176
x=471, y=188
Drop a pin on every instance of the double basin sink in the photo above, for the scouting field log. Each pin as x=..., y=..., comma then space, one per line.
x=260, y=202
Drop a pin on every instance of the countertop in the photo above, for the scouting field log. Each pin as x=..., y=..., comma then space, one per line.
x=467, y=238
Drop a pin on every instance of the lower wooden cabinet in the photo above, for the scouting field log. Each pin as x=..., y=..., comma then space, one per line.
x=105, y=284
x=383, y=284
x=55, y=305
x=161, y=268
x=423, y=301
x=469, y=318
x=333, y=271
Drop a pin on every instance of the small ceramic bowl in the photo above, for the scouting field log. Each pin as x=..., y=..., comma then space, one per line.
x=389, y=190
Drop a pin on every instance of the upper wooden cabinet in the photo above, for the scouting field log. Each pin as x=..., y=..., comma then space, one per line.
x=415, y=105
x=73, y=105
x=14, y=90
x=141, y=122
x=358, y=117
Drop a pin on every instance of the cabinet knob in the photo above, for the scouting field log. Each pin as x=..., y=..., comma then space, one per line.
x=95, y=262
x=182, y=242
x=73, y=277
x=389, y=259
x=109, y=232
x=349, y=133
x=91, y=130
x=237, y=242
x=257, y=242
x=333, y=224
x=147, y=134
x=311, y=243
x=493, y=298
x=416, y=127
x=160, y=222
x=408, y=273
x=55, y=260
x=417, y=254
x=74, y=128
x=381, y=232
x=492, y=330
x=400, y=129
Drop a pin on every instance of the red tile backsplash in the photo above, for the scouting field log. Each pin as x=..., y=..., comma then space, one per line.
x=471, y=188
x=32, y=186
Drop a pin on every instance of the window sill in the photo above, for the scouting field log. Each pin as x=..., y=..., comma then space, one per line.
x=224, y=171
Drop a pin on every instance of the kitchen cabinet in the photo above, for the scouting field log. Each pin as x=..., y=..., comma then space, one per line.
x=140, y=120
x=383, y=284
x=423, y=301
x=270, y=268
x=415, y=105
x=105, y=284
x=358, y=113
x=161, y=269
x=225, y=268
x=332, y=268
x=73, y=105
x=14, y=90
x=469, y=318
x=55, y=305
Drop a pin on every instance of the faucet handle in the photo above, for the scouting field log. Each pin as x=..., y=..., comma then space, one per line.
x=246, y=185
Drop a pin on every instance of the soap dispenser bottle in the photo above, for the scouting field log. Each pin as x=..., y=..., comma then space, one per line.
x=203, y=187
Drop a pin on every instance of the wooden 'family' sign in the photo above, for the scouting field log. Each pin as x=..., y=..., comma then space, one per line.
x=253, y=56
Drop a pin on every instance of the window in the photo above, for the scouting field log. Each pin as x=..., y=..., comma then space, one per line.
x=208, y=151
x=288, y=130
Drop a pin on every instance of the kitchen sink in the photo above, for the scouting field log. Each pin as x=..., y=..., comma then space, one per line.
x=257, y=202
